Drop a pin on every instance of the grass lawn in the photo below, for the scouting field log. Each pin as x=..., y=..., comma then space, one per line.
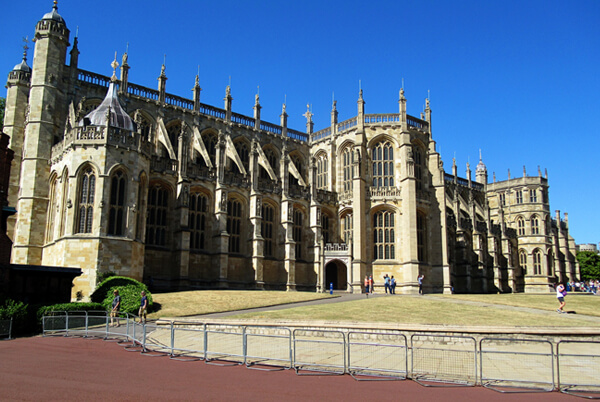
x=195, y=302
x=581, y=303
x=424, y=310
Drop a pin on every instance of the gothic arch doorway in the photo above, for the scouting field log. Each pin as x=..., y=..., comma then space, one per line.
x=336, y=273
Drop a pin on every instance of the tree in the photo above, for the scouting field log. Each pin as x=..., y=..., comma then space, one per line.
x=2, y=105
x=589, y=262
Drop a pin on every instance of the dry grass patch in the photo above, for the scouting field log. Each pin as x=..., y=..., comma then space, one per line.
x=580, y=303
x=418, y=310
x=181, y=304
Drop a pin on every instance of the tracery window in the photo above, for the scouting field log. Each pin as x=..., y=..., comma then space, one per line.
x=322, y=172
x=52, y=209
x=347, y=230
x=174, y=131
x=297, y=232
x=210, y=143
x=87, y=190
x=421, y=237
x=273, y=160
x=502, y=197
x=198, y=220
x=537, y=262
x=234, y=225
x=523, y=260
x=519, y=196
x=533, y=195
x=535, y=225
x=156, y=221
x=268, y=214
x=348, y=168
x=418, y=160
x=297, y=161
x=116, y=212
x=521, y=226
x=242, y=150
x=383, y=236
x=325, y=228
x=383, y=165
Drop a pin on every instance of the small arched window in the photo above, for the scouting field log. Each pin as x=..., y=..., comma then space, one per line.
x=383, y=165
x=523, y=260
x=267, y=225
x=535, y=225
x=348, y=168
x=116, y=213
x=198, y=220
x=347, y=229
x=87, y=191
x=322, y=172
x=297, y=232
x=384, y=236
x=537, y=262
x=521, y=226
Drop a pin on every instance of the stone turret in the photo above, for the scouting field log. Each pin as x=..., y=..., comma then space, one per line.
x=481, y=174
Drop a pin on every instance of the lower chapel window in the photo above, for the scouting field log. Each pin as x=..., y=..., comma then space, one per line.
x=297, y=233
x=197, y=220
x=86, y=201
x=234, y=225
x=383, y=236
x=156, y=223
x=117, y=204
x=537, y=262
x=267, y=229
x=347, y=231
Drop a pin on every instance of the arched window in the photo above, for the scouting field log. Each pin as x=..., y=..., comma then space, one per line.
x=139, y=229
x=533, y=195
x=174, y=131
x=273, y=160
x=418, y=160
x=297, y=161
x=234, y=225
x=537, y=262
x=348, y=168
x=210, y=143
x=520, y=226
x=383, y=236
x=87, y=191
x=535, y=225
x=297, y=232
x=116, y=212
x=322, y=172
x=267, y=224
x=144, y=126
x=52, y=209
x=550, y=263
x=242, y=150
x=523, y=260
x=198, y=220
x=519, y=196
x=325, y=229
x=421, y=236
x=156, y=221
x=63, y=205
x=347, y=229
x=383, y=165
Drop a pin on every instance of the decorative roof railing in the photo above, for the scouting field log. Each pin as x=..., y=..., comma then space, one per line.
x=382, y=118
x=297, y=135
x=463, y=182
x=346, y=124
x=319, y=135
x=241, y=119
x=93, y=78
x=142, y=92
x=180, y=101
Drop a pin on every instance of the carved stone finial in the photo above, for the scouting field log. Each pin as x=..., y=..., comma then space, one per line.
x=114, y=65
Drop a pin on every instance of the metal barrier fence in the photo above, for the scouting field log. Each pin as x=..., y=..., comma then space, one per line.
x=444, y=359
x=578, y=366
x=6, y=328
x=518, y=365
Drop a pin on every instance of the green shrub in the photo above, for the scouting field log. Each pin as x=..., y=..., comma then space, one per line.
x=44, y=310
x=129, y=289
x=13, y=309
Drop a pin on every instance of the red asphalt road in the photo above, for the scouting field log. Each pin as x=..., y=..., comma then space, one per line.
x=58, y=368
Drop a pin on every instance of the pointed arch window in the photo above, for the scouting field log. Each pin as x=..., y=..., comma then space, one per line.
x=297, y=232
x=535, y=225
x=520, y=226
x=174, y=131
x=273, y=160
x=322, y=172
x=348, y=168
x=537, y=262
x=156, y=222
x=418, y=160
x=242, y=150
x=383, y=165
x=210, y=143
x=52, y=209
x=85, y=210
x=421, y=236
x=198, y=220
x=116, y=213
x=325, y=228
x=299, y=166
x=234, y=225
x=267, y=224
x=347, y=229
x=523, y=260
x=383, y=236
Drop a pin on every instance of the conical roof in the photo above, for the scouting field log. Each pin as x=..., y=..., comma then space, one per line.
x=54, y=15
x=118, y=117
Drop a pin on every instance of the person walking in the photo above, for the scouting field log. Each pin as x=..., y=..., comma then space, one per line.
x=393, y=285
x=386, y=284
x=371, y=283
x=367, y=284
x=561, y=292
x=116, y=304
x=420, y=279
x=143, y=308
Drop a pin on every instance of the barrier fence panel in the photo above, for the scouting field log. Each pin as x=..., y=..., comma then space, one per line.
x=518, y=364
x=96, y=324
x=444, y=358
x=76, y=323
x=157, y=339
x=6, y=328
x=225, y=343
x=319, y=350
x=136, y=334
x=188, y=343
x=377, y=355
x=54, y=323
x=268, y=346
x=578, y=366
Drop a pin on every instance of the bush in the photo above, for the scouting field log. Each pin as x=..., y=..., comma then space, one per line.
x=19, y=312
x=44, y=310
x=129, y=290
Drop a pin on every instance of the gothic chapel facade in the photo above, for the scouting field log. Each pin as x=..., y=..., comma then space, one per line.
x=110, y=176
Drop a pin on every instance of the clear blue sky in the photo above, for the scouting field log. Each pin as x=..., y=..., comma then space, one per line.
x=518, y=80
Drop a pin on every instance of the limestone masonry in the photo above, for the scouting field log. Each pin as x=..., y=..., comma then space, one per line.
x=113, y=176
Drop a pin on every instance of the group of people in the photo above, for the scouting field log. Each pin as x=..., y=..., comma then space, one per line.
x=116, y=306
x=389, y=284
x=590, y=286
